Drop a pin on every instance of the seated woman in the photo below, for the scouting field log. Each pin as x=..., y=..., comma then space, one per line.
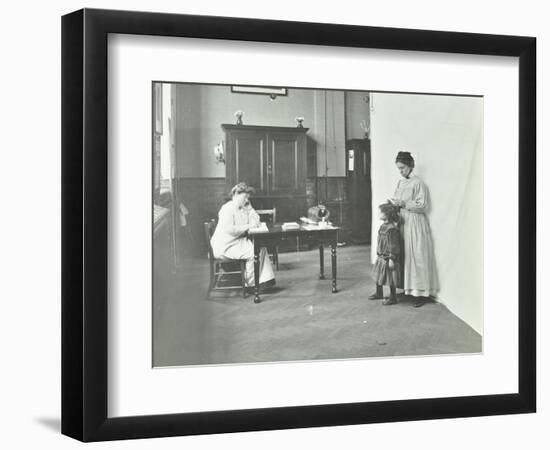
x=229, y=240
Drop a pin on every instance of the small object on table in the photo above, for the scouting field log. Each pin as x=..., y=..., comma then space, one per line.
x=318, y=213
x=290, y=226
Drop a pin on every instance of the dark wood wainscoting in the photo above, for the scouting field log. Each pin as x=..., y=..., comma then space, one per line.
x=203, y=198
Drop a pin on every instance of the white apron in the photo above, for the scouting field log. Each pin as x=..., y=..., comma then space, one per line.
x=419, y=271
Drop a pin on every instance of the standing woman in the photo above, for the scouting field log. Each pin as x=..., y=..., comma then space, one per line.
x=411, y=195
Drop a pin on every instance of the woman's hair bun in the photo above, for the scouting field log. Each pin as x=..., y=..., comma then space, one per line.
x=405, y=158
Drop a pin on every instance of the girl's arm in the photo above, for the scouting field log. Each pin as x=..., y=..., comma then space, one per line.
x=394, y=244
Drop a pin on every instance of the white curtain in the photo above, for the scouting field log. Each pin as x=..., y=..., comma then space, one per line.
x=445, y=136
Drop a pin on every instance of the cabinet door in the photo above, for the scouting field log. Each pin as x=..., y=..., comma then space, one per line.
x=246, y=159
x=286, y=163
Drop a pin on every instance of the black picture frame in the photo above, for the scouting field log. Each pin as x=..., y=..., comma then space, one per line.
x=84, y=224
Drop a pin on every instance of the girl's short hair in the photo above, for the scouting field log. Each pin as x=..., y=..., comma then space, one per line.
x=241, y=187
x=390, y=211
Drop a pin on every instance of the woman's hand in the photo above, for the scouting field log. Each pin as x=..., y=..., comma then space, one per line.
x=397, y=202
x=391, y=264
x=254, y=220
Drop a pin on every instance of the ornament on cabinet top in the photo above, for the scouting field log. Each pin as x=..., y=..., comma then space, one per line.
x=239, y=116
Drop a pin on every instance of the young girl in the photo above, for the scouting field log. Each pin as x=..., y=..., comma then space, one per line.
x=386, y=270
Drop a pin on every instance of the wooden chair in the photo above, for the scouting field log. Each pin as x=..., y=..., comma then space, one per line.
x=273, y=251
x=223, y=268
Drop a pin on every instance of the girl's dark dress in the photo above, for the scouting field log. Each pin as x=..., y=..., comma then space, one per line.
x=389, y=247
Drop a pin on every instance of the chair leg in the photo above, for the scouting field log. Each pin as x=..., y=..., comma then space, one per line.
x=243, y=277
x=211, y=282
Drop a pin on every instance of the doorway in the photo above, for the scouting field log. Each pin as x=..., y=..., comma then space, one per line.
x=359, y=189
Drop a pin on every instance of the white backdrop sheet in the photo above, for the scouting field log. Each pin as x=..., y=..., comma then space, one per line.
x=445, y=136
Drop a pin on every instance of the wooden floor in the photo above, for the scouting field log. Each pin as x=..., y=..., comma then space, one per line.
x=300, y=320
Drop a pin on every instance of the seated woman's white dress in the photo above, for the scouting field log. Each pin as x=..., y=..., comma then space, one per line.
x=229, y=240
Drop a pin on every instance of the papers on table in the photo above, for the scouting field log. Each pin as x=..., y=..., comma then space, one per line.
x=290, y=226
x=262, y=228
x=308, y=221
x=317, y=227
x=309, y=224
x=310, y=227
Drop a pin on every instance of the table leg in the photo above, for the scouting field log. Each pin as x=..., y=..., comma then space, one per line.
x=321, y=262
x=333, y=254
x=256, y=274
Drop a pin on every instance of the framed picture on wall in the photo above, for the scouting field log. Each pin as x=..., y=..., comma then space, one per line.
x=273, y=92
x=282, y=251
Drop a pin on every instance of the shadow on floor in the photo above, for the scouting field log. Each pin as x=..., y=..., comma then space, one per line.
x=52, y=423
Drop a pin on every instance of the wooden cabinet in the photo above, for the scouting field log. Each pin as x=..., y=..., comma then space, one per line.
x=274, y=161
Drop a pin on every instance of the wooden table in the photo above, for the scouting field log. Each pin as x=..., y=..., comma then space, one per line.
x=275, y=234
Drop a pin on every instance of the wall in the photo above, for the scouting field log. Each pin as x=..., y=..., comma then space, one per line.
x=329, y=132
x=444, y=134
x=357, y=111
x=201, y=109
x=189, y=154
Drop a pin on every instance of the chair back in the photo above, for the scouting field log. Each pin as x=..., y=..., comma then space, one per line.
x=268, y=212
x=209, y=228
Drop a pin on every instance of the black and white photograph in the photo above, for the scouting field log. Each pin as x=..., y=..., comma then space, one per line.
x=301, y=224
x=253, y=225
